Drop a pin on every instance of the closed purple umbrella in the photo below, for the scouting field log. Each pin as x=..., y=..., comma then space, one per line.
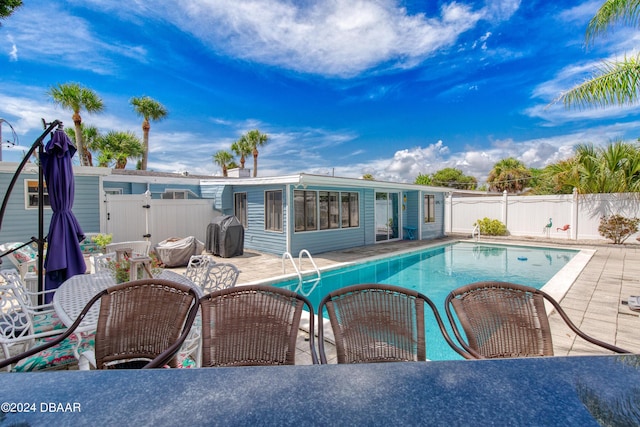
x=64, y=256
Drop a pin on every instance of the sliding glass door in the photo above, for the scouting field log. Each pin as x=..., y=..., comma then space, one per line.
x=387, y=216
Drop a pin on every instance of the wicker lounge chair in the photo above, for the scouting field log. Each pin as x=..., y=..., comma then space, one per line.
x=503, y=319
x=141, y=324
x=253, y=325
x=377, y=323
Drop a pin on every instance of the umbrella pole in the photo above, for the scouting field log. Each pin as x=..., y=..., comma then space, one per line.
x=40, y=239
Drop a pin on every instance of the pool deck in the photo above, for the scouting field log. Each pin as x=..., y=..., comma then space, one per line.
x=596, y=302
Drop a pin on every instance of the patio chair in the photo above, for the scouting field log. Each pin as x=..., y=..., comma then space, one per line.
x=253, y=325
x=219, y=276
x=141, y=324
x=377, y=323
x=197, y=268
x=104, y=262
x=23, y=257
x=209, y=276
x=137, y=247
x=20, y=330
x=502, y=319
x=43, y=315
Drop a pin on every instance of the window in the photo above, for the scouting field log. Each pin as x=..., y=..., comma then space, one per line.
x=350, y=210
x=240, y=207
x=273, y=210
x=325, y=210
x=429, y=208
x=31, y=194
x=175, y=194
x=305, y=206
x=329, y=210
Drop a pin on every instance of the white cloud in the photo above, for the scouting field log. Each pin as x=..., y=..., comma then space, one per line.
x=500, y=10
x=340, y=38
x=13, y=53
x=54, y=36
x=581, y=13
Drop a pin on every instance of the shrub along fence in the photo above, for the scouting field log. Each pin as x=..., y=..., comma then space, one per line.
x=541, y=216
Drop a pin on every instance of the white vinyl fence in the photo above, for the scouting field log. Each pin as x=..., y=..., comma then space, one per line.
x=133, y=217
x=530, y=215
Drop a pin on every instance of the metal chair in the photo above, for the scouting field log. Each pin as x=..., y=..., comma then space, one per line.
x=43, y=315
x=20, y=330
x=502, y=319
x=219, y=276
x=141, y=324
x=197, y=268
x=209, y=276
x=377, y=323
x=253, y=325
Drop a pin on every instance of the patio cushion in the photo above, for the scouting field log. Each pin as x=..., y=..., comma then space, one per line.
x=46, y=322
x=186, y=363
x=24, y=254
x=55, y=357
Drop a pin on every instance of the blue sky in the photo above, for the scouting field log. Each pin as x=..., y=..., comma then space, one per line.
x=343, y=87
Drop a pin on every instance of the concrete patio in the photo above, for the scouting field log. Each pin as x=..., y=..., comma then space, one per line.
x=596, y=302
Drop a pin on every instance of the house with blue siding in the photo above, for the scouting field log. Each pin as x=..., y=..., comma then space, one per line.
x=20, y=222
x=323, y=213
x=280, y=214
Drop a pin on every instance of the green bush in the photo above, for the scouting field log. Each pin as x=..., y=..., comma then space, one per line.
x=102, y=240
x=617, y=227
x=491, y=227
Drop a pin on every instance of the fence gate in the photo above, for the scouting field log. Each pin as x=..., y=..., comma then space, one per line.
x=139, y=217
x=127, y=216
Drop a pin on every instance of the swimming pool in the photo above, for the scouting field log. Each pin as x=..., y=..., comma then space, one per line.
x=438, y=270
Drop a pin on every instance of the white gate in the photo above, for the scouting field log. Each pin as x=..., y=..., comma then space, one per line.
x=139, y=217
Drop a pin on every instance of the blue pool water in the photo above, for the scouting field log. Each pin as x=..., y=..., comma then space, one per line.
x=436, y=271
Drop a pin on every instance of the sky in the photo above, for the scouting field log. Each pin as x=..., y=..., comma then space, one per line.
x=391, y=88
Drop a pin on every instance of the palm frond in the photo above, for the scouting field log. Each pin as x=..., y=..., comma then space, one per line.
x=616, y=83
x=611, y=13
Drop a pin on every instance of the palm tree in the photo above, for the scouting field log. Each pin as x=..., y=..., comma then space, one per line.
x=611, y=169
x=74, y=97
x=149, y=109
x=222, y=158
x=615, y=83
x=7, y=7
x=255, y=139
x=119, y=147
x=242, y=149
x=509, y=174
x=90, y=135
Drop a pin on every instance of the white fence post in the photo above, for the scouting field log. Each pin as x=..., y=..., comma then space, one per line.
x=574, y=215
x=505, y=208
